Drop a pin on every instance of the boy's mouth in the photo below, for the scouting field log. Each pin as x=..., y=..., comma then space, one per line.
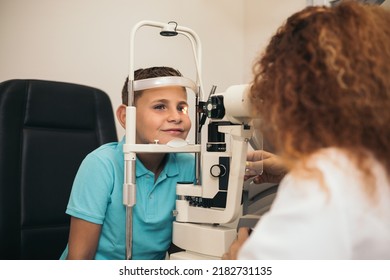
x=173, y=131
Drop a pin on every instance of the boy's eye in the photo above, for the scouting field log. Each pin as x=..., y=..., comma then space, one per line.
x=159, y=107
x=183, y=109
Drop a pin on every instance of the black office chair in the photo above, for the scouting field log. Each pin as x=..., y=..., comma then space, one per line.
x=46, y=129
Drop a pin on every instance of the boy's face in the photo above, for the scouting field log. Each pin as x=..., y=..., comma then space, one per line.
x=162, y=114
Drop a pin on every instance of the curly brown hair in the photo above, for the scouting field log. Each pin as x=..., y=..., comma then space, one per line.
x=324, y=81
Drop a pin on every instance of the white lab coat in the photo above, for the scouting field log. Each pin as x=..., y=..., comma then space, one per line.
x=335, y=220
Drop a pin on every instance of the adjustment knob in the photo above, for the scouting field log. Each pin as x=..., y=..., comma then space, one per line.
x=217, y=170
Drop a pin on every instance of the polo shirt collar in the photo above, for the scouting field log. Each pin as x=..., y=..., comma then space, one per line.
x=171, y=168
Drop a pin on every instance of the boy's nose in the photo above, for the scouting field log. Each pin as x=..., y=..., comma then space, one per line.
x=174, y=116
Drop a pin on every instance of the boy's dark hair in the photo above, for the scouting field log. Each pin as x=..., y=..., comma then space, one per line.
x=152, y=72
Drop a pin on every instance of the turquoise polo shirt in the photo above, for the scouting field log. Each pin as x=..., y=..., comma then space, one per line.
x=96, y=197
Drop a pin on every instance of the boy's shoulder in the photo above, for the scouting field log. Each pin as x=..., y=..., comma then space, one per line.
x=112, y=149
x=108, y=146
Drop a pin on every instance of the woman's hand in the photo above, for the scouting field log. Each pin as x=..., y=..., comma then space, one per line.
x=242, y=236
x=272, y=166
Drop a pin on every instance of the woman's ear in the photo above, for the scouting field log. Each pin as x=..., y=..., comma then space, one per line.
x=121, y=115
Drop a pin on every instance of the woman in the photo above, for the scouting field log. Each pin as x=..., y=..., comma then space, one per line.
x=323, y=90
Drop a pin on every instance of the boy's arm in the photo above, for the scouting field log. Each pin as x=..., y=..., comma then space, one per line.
x=83, y=239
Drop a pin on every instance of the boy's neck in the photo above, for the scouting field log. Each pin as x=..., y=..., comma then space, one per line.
x=153, y=162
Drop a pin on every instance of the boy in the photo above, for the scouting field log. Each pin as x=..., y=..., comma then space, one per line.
x=97, y=228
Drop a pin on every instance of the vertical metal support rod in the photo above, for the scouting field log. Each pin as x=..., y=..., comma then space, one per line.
x=129, y=186
x=129, y=199
x=129, y=232
x=198, y=140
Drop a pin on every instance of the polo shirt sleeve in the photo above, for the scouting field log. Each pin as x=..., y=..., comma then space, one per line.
x=91, y=190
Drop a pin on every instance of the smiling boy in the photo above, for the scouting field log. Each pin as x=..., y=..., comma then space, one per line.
x=96, y=205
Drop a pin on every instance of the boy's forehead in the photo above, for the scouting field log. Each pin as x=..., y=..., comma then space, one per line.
x=171, y=92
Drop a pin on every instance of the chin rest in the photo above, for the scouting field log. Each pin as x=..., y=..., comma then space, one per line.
x=46, y=130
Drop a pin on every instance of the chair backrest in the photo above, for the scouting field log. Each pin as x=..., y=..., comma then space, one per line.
x=46, y=129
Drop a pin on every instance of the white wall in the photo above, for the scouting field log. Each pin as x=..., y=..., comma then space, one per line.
x=261, y=20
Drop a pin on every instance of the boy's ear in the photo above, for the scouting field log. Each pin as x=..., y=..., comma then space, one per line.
x=121, y=115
